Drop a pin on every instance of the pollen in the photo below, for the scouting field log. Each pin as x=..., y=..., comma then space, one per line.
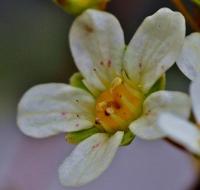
x=118, y=106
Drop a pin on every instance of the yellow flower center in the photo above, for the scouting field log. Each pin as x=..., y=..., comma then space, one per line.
x=118, y=106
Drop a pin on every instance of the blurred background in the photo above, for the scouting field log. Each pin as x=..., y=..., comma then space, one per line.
x=33, y=50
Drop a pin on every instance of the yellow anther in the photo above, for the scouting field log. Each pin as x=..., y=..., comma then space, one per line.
x=102, y=105
x=109, y=110
x=116, y=82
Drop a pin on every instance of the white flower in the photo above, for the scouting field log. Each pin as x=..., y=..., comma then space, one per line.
x=189, y=59
x=180, y=130
x=120, y=81
x=184, y=132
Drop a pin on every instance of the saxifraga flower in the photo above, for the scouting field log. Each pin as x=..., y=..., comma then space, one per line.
x=183, y=132
x=118, y=94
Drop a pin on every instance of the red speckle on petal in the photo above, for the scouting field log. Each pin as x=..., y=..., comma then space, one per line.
x=140, y=65
x=163, y=67
x=63, y=113
x=96, y=146
x=88, y=28
x=109, y=63
x=148, y=112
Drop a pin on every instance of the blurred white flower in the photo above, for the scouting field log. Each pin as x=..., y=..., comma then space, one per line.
x=120, y=91
x=180, y=130
x=189, y=59
x=184, y=132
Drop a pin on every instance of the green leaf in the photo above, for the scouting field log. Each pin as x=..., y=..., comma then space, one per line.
x=159, y=85
x=77, y=137
x=128, y=138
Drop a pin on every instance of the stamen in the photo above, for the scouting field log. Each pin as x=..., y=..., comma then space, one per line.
x=118, y=106
x=109, y=110
x=116, y=82
x=102, y=105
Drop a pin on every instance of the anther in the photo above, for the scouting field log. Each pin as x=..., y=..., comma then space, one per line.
x=102, y=105
x=97, y=121
x=116, y=82
x=109, y=110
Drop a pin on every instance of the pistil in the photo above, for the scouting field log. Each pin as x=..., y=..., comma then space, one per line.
x=118, y=106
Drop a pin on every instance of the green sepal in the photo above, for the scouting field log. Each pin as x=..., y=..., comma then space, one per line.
x=77, y=137
x=76, y=80
x=159, y=85
x=127, y=138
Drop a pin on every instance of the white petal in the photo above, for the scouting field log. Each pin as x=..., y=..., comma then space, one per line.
x=180, y=131
x=195, y=95
x=49, y=109
x=97, y=45
x=89, y=159
x=158, y=102
x=155, y=47
x=145, y=128
x=189, y=60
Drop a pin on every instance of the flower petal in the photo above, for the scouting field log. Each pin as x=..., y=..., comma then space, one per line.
x=188, y=61
x=195, y=95
x=49, y=109
x=181, y=131
x=158, y=102
x=89, y=159
x=97, y=45
x=155, y=47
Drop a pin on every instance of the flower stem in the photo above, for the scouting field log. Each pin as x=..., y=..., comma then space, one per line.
x=196, y=185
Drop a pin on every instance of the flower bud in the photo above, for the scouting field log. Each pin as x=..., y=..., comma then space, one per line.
x=78, y=6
